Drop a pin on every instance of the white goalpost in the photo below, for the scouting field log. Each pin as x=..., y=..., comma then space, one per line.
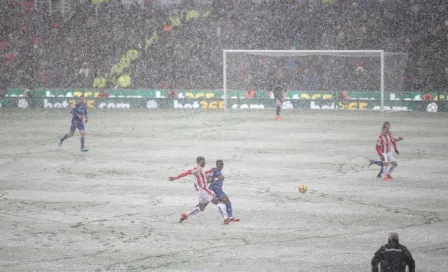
x=366, y=54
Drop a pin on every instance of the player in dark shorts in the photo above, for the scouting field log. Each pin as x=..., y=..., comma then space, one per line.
x=79, y=113
x=215, y=178
x=277, y=89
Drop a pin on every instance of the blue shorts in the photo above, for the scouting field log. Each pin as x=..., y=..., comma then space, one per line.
x=77, y=124
x=219, y=193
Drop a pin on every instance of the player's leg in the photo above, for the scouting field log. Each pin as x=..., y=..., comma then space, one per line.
x=200, y=207
x=69, y=134
x=392, y=165
x=82, y=131
x=386, y=167
x=392, y=168
x=278, y=106
x=221, y=209
x=83, y=138
x=380, y=173
x=225, y=199
x=389, y=157
x=203, y=200
x=379, y=163
x=202, y=204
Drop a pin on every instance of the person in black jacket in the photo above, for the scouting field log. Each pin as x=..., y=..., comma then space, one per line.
x=393, y=257
x=278, y=89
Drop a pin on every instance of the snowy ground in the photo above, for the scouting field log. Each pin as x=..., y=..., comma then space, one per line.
x=113, y=209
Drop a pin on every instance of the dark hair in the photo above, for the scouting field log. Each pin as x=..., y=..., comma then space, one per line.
x=386, y=123
x=219, y=162
x=199, y=158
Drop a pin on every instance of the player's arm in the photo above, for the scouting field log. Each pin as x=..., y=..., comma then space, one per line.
x=218, y=177
x=377, y=259
x=378, y=147
x=378, y=150
x=396, y=139
x=210, y=170
x=409, y=260
x=72, y=111
x=85, y=115
x=394, y=143
x=210, y=175
x=184, y=174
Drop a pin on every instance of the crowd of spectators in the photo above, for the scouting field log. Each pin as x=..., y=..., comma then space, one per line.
x=40, y=49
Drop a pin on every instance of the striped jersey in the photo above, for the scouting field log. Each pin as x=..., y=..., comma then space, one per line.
x=384, y=143
x=198, y=172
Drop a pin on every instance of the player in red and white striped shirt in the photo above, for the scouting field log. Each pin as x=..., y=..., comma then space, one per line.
x=384, y=144
x=205, y=195
x=394, y=144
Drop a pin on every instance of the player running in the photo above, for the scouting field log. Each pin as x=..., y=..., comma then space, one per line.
x=384, y=144
x=394, y=144
x=278, y=88
x=79, y=112
x=216, y=179
x=205, y=195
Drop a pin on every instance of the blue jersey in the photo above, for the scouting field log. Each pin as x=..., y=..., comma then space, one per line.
x=216, y=186
x=79, y=109
x=78, y=123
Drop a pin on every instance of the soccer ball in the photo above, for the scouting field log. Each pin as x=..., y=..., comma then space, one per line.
x=303, y=188
x=432, y=107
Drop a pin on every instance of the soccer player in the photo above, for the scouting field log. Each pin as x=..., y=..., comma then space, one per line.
x=394, y=144
x=79, y=112
x=278, y=88
x=216, y=179
x=205, y=195
x=383, y=147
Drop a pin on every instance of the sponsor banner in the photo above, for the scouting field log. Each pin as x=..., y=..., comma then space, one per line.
x=19, y=102
x=199, y=99
x=173, y=103
x=365, y=105
x=62, y=103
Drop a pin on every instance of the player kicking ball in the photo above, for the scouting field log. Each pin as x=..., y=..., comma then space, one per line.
x=394, y=144
x=216, y=179
x=79, y=112
x=205, y=195
x=384, y=150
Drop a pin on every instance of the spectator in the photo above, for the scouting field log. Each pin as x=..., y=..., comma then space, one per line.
x=103, y=93
x=83, y=74
x=196, y=42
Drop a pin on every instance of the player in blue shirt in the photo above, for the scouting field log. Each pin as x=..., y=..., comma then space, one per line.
x=216, y=179
x=79, y=113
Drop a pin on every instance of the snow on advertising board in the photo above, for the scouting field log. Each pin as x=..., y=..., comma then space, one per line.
x=213, y=99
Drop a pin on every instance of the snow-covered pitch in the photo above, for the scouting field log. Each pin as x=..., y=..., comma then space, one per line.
x=113, y=208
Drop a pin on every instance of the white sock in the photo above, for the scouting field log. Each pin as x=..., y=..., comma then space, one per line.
x=385, y=170
x=194, y=211
x=391, y=169
x=222, y=209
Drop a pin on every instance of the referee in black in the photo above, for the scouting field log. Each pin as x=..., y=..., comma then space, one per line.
x=393, y=257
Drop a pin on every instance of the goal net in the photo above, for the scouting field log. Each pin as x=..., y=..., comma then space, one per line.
x=316, y=79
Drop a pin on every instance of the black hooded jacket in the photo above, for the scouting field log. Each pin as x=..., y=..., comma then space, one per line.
x=393, y=257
